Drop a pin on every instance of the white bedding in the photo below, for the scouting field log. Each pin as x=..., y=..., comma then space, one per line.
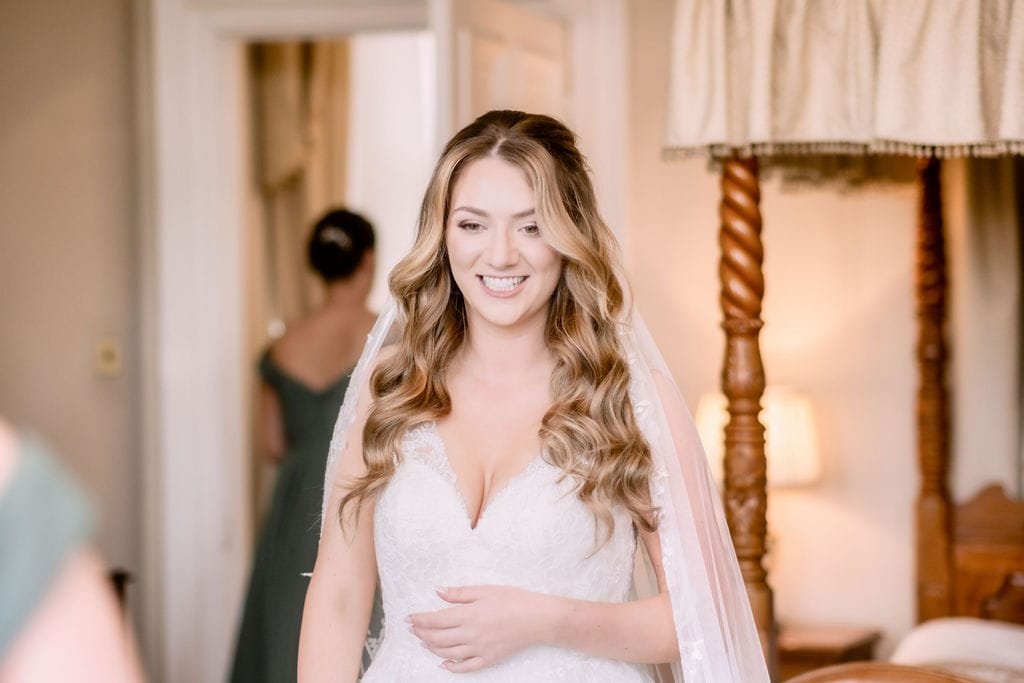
x=988, y=651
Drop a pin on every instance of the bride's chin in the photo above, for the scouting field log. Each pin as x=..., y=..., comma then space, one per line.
x=500, y=318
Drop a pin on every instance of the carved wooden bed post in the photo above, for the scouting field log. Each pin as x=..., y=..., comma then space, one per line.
x=934, y=590
x=743, y=383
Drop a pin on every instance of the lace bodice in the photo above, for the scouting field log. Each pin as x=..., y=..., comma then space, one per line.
x=535, y=534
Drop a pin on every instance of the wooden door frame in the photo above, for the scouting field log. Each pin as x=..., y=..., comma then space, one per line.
x=194, y=374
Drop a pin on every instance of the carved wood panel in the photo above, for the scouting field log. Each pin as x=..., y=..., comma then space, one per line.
x=988, y=557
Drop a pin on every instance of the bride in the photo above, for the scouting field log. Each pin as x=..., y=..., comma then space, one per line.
x=513, y=462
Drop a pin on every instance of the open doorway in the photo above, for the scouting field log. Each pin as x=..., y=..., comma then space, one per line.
x=340, y=139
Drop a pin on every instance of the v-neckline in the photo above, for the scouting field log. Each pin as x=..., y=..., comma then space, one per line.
x=484, y=506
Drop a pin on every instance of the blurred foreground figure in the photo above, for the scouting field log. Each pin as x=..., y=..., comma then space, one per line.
x=59, y=620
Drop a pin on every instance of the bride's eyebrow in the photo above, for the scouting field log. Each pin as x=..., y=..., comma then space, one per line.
x=473, y=210
x=484, y=214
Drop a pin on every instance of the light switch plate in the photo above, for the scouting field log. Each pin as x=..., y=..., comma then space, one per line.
x=108, y=357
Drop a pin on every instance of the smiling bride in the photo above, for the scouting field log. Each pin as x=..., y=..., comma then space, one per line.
x=513, y=462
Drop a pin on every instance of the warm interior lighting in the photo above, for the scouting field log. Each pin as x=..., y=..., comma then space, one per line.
x=791, y=436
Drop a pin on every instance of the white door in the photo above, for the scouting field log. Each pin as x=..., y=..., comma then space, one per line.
x=498, y=54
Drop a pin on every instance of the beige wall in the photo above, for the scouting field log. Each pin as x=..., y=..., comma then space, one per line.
x=839, y=324
x=68, y=248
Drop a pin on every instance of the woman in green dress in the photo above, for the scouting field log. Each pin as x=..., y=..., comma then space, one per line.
x=304, y=377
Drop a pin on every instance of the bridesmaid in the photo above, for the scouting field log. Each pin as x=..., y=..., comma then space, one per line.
x=305, y=374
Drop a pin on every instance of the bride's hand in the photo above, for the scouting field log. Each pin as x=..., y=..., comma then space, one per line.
x=486, y=625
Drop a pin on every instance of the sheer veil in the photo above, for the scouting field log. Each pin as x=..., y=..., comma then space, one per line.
x=718, y=642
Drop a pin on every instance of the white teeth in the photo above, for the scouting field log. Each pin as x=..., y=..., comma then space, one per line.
x=502, y=284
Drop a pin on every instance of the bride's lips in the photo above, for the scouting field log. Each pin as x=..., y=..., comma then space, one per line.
x=503, y=286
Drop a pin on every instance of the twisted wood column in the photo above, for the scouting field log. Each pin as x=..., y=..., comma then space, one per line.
x=743, y=384
x=934, y=589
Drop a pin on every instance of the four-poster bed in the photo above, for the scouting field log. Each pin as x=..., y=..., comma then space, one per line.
x=756, y=79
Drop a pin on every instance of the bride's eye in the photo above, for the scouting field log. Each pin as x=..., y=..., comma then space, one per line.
x=531, y=229
x=471, y=226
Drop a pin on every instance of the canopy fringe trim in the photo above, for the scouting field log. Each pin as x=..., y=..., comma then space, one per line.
x=892, y=147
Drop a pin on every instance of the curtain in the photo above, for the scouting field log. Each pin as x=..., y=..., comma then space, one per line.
x=301, y=117
x=983, y=227
x=847, y=76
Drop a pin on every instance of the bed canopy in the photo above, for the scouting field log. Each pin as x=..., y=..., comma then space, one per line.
x=931, y=79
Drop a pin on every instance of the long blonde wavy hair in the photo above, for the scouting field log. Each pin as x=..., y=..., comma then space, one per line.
x=590, y=431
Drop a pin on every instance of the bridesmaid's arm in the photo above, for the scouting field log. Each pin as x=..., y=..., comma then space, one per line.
x=273, y=423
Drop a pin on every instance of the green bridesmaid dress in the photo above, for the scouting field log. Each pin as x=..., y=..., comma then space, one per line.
x=268, y=639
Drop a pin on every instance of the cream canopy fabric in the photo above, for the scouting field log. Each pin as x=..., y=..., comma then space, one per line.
x=919, y=77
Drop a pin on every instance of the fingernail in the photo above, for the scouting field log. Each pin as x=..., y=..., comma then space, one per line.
x=408, y=620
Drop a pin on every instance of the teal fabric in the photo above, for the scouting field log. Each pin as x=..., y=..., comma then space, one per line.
x=268, y=639
x=43, y=518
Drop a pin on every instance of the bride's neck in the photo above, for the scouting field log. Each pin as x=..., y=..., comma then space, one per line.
x=496, y=353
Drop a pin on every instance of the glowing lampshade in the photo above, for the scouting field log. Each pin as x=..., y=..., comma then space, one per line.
x=791, y=436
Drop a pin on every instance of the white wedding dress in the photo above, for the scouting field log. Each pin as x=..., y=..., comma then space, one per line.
x=534, y=534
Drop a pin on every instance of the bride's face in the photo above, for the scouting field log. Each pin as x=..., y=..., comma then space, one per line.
x=501, y=263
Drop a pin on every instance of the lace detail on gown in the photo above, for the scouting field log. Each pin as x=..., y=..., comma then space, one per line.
x=535, y=534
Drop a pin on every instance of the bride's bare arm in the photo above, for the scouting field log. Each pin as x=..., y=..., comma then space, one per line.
x=340, y=596
x=638, y=631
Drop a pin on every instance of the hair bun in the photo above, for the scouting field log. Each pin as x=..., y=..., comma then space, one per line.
x=338, y=243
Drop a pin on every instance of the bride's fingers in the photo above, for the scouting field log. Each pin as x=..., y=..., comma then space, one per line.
x=456, y=654
x=449, y=637
x=462, y=594
x=443, y=618
x=465, y=666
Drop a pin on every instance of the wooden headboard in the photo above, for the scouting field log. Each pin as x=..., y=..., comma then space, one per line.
x=988, y=557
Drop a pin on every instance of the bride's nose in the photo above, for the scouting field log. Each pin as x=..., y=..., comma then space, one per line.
x=501, y=249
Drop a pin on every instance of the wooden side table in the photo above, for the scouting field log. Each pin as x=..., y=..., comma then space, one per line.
x=803, y=648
